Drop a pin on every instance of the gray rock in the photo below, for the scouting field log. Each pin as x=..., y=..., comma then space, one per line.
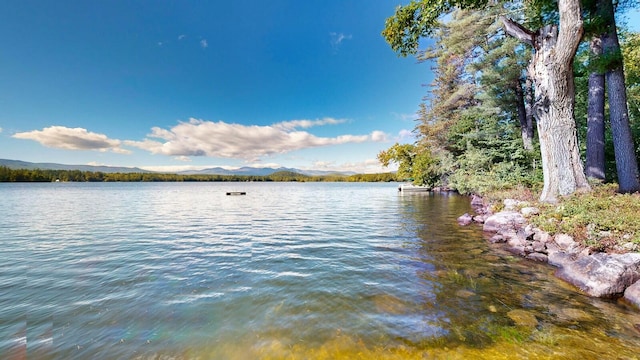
x=529, y=211
x=510, y=204
x=565, y=241
x=465, y=219
x=539, y=246
x=538, y=257
x=477, y=200
x=497, y=238
x=601, y=275
x=516, y=241
x=502, y=221
x=558, y=257
x=479, y=219
x=542, y=236
x=526, y=233
x=632, y=294
x=517, y=250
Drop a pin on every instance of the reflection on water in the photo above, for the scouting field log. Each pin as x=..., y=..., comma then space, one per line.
x=290, y=270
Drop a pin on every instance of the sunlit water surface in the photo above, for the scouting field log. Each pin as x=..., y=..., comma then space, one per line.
x=291, y=270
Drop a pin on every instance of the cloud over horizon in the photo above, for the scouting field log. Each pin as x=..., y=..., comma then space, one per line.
x=249, y=143
x=61, y=137
x=246, y=142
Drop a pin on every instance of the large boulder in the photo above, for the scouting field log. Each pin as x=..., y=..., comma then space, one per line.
x=632, y=294
x=502, y=221
x=600, y=274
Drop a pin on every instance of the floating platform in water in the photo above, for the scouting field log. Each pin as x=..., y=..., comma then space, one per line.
x=236, y=193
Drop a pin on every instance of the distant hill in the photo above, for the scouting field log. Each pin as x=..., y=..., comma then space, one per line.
x=253, y=171
x=17, y=164
x=249, y=171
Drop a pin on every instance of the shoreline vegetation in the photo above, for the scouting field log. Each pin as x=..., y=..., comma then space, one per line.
x=44, y=175
x=517, y=113
x=592, y=238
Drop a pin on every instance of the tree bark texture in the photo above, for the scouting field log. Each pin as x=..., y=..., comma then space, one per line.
x=526, y=126
x=529, y=97
x=626, y=163
x=553, y=108
x=595, y=118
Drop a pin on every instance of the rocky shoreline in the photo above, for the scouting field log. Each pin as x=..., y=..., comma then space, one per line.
x=596, y=274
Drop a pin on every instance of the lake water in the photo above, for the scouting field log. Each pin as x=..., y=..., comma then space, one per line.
x=291, y=270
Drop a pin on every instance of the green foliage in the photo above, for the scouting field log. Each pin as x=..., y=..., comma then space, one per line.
x=631, y=54
x=419, y=19
x=601, y=219
x=413, y=163
x=469, y=138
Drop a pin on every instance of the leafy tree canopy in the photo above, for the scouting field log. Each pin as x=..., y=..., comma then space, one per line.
x=419, y=19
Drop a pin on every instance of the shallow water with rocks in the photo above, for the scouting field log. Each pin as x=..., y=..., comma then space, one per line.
x=290, y=270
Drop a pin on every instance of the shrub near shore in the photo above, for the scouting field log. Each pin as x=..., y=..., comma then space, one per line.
x=603, y=220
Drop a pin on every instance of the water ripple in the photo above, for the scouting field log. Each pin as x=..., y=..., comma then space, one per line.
x=137, y=270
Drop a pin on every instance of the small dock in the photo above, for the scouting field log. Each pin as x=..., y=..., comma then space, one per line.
x=236, y=193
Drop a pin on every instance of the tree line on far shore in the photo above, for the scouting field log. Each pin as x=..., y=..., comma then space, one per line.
x=42, y=175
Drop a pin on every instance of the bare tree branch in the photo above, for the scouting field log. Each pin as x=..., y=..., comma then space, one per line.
x=518, y=31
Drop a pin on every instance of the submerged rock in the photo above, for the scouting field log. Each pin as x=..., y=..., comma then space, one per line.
x=463, y=293
x=570, y=314
x=465, y=219
x=598, y=275
x=523, y=318
x=602, y=275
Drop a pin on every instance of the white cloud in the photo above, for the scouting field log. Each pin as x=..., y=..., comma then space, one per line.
x=368, y=166
x=61, y=137
x=0, y=129
x=406, y=134
x=338, y=38
x=181, y=36
x=266, y=165
x=204, y=44
x=290, y=125
x=406, y=117
x=246, y=142
x=378, y=136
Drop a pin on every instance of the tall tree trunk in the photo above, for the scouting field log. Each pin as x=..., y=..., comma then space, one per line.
x=526, y=126
x=595, y=117
x=552, y=73
x=529, y=97
x=626, y=163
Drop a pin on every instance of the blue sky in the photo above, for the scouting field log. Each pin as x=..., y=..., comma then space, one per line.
x=193, y=84
x=173, y=85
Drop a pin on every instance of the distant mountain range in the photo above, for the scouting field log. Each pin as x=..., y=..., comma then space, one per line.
x=253, y=171
x=17, y=164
